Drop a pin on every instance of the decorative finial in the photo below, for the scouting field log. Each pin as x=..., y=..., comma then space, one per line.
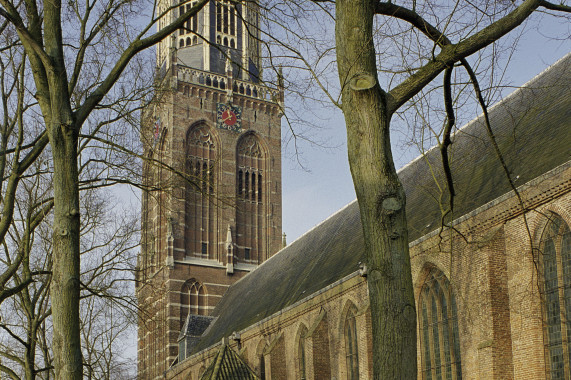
x=229, y=252
x=230, y=86
x=229, y=241
x=228, y=66
x=280, y=77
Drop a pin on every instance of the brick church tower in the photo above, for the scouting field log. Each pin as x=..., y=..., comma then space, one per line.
x=211, y=210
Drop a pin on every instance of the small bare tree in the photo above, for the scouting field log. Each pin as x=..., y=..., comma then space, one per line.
x=77, y=52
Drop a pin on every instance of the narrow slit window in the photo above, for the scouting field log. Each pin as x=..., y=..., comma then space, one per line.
x=240, y=182
x=225, y=23
x=259, y=187
x=211, y=179
x=204, y=176
x=232, y=21
x=247, y=187
x=253, y=195
x=219, y=17
x=194, y=21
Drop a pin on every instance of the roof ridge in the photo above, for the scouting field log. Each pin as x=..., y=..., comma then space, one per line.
x=512, y=94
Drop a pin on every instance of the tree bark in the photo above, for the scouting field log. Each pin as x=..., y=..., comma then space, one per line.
x=379, y=192
x=64, y=290
x=63, y=134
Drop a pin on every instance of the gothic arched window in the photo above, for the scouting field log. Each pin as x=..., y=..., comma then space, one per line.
x=251, y=205
x=439, y=338
x=226, y=18
x=190, y=26
x=301, y=364
x=201, y=212
x=555, y=247
x=351, y=348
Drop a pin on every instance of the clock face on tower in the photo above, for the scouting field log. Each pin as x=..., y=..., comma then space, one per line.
x=229, y=117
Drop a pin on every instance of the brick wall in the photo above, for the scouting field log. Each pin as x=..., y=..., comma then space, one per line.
x=278, y=360
x=493, y=276
x=321, y=358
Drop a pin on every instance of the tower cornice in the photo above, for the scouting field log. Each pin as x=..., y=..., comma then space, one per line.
x=210, y=80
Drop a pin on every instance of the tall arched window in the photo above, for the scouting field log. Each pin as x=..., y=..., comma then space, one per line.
x=260, y=366
x=190, y=26
x=351, y=348
x=250, y=202
x=555, y=247
x=201, y=234
x=439, y=338
x=192, y=300
x=301, y=362
x=226, y=21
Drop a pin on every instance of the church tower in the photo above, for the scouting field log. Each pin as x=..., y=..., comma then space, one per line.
x=211, y=209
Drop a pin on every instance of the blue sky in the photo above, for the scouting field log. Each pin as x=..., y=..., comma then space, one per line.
x=324, y=185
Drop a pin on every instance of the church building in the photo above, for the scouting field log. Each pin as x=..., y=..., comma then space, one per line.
x=217, y=299
x=493, y=293
x=211, y=210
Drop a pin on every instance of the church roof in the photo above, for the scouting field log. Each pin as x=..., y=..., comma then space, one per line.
x=227, y=365
x=533, y=130
x=194, y=325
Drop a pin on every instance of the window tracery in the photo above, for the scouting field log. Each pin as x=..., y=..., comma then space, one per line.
x=439, y=337
x=201, y=212
x=250, y=197
x=250, y=146
x=226, y=22
x=555, y=249
x=201, y=136
x=351, y=347
x=190, y=26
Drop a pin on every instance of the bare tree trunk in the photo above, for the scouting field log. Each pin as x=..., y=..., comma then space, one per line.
x=64, y=290
x=63, y=136
x=379, y=192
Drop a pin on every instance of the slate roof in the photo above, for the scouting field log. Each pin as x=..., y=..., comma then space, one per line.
x=227, y=365
x=533, y=130
x=194, y=325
